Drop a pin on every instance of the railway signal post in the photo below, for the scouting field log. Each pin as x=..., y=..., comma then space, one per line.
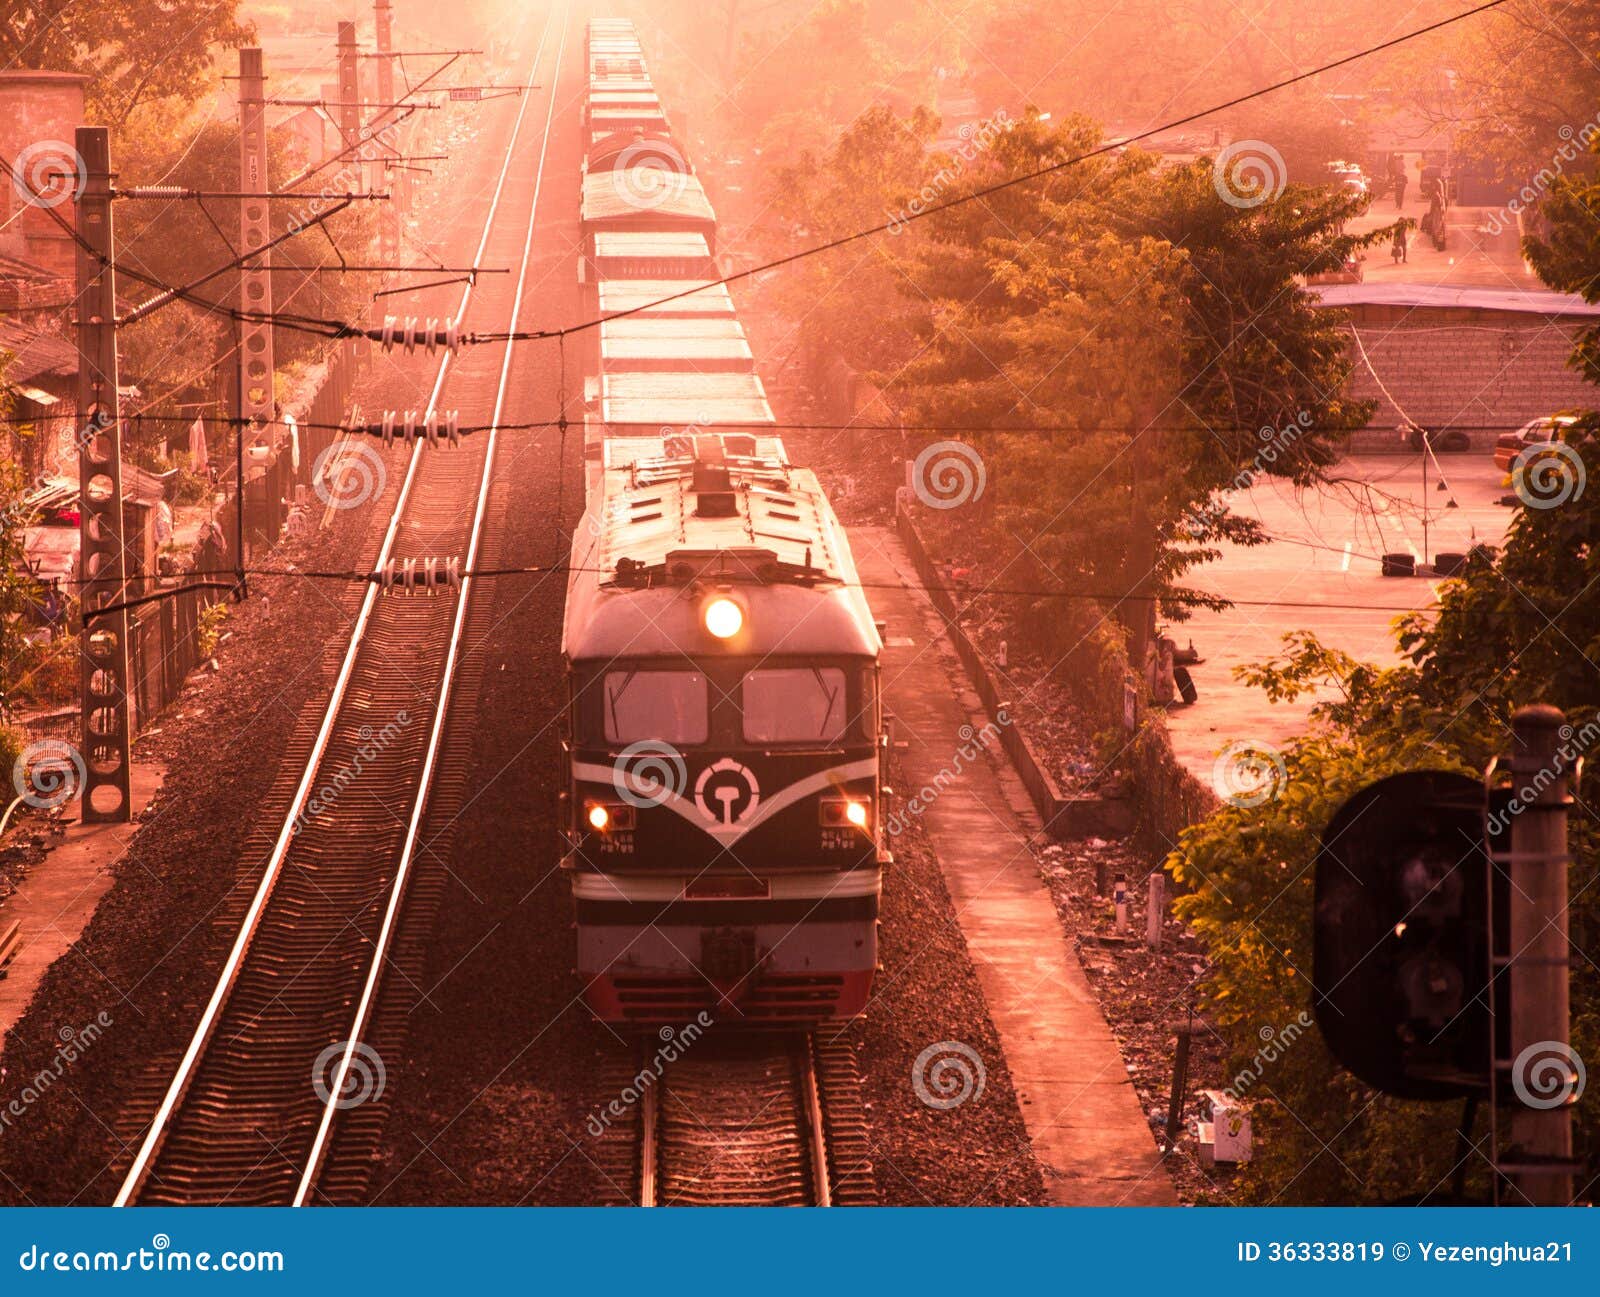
x=103, y=561
x=1539, y=1162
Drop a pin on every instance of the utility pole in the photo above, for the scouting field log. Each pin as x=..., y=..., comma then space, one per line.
x=1539, y=1163
x=389, y=219
x=257, y=406
x=1142, y=549
x=350, y=97
x=107, y=796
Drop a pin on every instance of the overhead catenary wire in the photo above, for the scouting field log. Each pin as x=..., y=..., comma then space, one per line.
x=338, y=329
x=1188, y=598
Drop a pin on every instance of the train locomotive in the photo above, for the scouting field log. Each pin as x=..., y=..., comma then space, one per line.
x=724, y=735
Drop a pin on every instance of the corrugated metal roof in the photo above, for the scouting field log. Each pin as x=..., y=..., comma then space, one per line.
x=703, y=298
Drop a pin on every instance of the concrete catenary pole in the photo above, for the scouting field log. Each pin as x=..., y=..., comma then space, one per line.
x=103, y=559
x=257, y=406
x=391, y=212
x=1542, y=1068
x=350, y=103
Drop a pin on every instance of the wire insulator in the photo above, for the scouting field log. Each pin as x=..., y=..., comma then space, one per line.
x=426, y=574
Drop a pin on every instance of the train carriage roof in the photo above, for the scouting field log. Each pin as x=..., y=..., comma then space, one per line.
x=666, y=298
x=654, y=401
x=703, y=345
x=646, y=194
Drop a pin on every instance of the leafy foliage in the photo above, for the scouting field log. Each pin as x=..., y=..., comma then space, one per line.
x=134, y=52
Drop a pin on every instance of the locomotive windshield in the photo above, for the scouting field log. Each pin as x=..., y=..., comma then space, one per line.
x=795, y=705
x=669, y=706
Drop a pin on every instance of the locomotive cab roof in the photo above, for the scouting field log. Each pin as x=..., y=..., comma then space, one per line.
x=678, y=516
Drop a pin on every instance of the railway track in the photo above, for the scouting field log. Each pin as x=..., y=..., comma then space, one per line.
x=753, y=1120
x=266, y=1104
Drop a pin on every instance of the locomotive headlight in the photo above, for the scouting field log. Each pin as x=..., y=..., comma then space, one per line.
x=724, y=618
x=599, y=818
x=845, y=813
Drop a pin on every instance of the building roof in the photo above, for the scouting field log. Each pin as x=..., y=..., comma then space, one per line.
x=35, y=355
x=1436, y=297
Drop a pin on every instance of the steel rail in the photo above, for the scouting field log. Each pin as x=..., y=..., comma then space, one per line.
x=179, y=1085
x=447, y=680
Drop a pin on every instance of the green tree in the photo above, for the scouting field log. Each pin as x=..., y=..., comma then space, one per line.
x=1513, y=629
x=1161, y=330
x=134, y=53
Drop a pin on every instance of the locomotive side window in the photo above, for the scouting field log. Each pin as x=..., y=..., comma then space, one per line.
x=669, y=706
x=795, y=705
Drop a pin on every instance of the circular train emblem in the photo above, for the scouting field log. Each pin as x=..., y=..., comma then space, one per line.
x=727, y=792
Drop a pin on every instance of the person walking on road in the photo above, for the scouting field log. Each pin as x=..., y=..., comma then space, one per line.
x=1399, y=190
x=1398, y=249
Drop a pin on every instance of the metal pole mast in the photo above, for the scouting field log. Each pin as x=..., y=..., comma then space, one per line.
x=389, y=219
x=107, y=796
x=1539, y=1163
x=257, y=407
x=350, y=99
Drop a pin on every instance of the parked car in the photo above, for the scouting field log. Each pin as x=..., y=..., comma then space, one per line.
x=1536, y=432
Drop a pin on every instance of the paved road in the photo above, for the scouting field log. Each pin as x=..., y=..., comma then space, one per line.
x=1327, y=554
